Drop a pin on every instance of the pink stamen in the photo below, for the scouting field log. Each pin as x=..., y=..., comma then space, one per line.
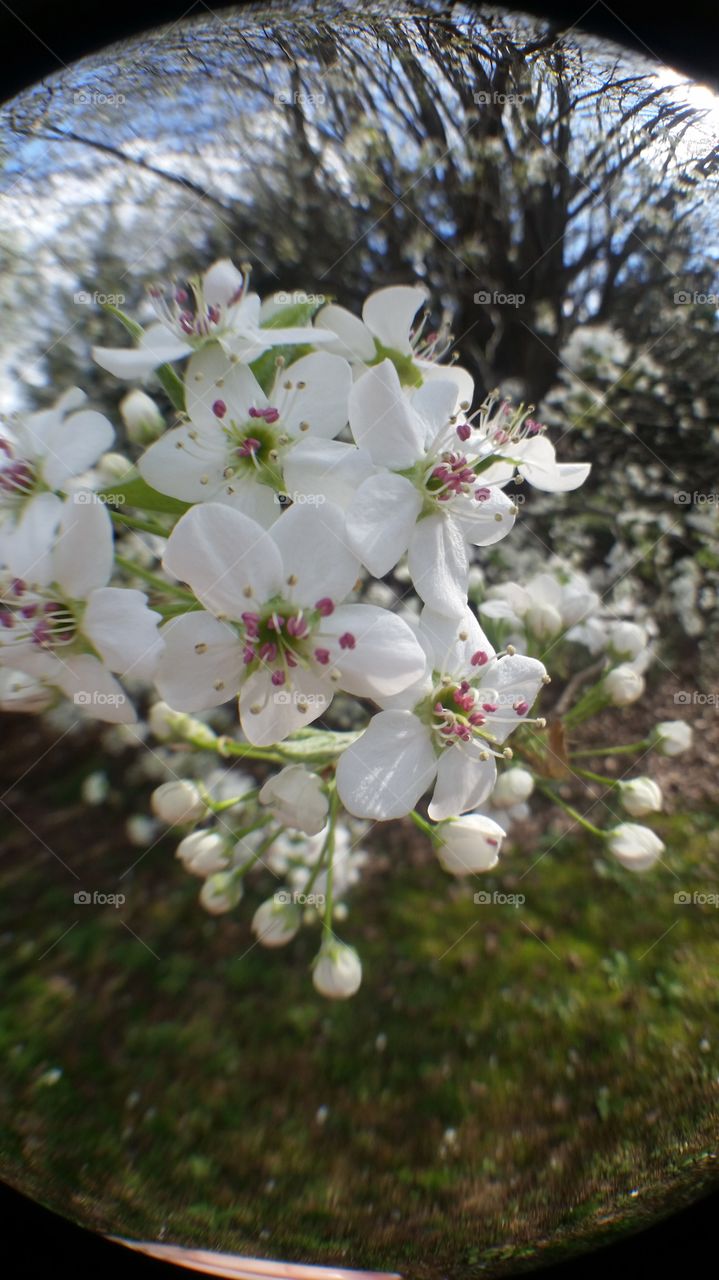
x=249, y=446
x=219, y=408
x=479, y=658
x=278, y=677
x=325, y=607
x=521, y=708
x=322, y=656
x=268, y=651
x=347, y=640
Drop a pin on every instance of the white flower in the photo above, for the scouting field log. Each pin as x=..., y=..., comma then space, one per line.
x=624, y=685
x=215, y=307
x=337, y=971
x=39, y=454
x=297, y=799
x=274, y=628
x=221, y=892
x=276, y=921
x=426, y=498
x=627, y=639
x=513, y=786
x=545, y=605
x=141, y=416
x=386, y=331
x=636, y=847
x=202, y=853
x=438, y=487
x=673, y=737
x=470, y=844
x=446, y=726
x=178, y=803
x=640, y=796
x=237, y=439
x=69, y=628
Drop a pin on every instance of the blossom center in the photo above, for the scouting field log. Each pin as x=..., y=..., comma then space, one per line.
x=35, y=618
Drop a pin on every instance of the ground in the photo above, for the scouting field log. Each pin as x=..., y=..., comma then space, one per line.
x=510, y=1085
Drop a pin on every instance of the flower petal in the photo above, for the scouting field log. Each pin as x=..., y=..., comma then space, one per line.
x=463, y=781
x=83, y=554
x=123, y=629
x=186, y=463
x=315, y=550
x=382, y=418
x=210, y=377
x=269, y=714
x=539, y=466
x=321, y=405
x=386, y=657
x=439, y=564
x=513, y=681
x=221, y=282
x=158, y=345
x=386, y=771
x=388, y=314
x=73, y=444
x=484, y=523
x=226, y=558
x=95, y=693
x=201, y=663
x=325, y=469
x=27, y=549
x=454, y=640
x=381, y=520
x=353, y=339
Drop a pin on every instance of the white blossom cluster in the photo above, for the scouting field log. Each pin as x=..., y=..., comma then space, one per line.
x=313, y=453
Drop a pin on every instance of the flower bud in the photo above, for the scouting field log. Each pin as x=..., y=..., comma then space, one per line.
x=636, y=847
x=20, y=692
x=178, y=803
x=337, y=972
x=624, y=685
x=202, y=853
x=141, y=416
x=470, y=844
x=277, y=920
x=297, y=799
x=543, y=619
x=672, y=737
x=113, y=466
x=627, y=639
x=221, y=892
x=640, y=796
x=514, y=786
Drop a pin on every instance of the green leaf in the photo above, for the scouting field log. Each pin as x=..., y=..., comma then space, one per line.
x=133, y=328
x=265, y=366
x=296, y=314
x=173, y=386
x=135, y=492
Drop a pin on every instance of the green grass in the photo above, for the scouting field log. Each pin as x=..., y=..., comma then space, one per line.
x=569, y=1044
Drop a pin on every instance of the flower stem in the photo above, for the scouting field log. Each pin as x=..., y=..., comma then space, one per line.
x=132, y=522
x=627, y=748
x=424, y=826
x=329, y=853
x=571, y=811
